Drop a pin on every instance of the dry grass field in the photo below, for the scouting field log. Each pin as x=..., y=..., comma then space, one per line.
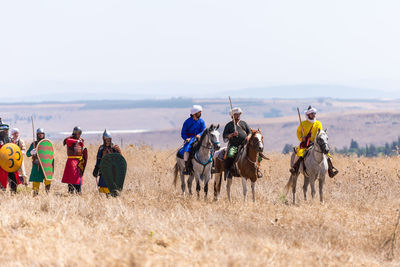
x=150, y=224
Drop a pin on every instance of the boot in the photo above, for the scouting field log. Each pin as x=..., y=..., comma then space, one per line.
x=332, y=171
x=186, y=171
x=47, y=188
x=296, y=166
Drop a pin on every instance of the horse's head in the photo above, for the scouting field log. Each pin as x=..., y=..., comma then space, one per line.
x=322, y=141
x=256, y=140
x=214, y=136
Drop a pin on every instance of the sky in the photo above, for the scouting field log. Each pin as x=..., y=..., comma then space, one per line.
x=195, y=47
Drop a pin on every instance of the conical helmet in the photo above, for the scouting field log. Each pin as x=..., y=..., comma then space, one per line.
x=106, y=134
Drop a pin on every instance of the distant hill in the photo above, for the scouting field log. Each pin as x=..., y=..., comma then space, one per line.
x=312, y=91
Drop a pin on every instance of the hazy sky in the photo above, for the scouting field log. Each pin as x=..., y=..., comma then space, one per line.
x=210, y=44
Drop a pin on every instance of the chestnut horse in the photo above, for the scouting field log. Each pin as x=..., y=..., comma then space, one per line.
x=247, y=164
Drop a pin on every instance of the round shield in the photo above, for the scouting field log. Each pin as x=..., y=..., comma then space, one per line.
x=10, y=157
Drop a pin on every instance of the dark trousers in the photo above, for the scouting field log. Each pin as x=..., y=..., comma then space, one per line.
x=12, y=181
x=72, y=188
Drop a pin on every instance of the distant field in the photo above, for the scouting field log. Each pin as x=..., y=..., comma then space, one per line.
x=367, y=121
x=151, y=224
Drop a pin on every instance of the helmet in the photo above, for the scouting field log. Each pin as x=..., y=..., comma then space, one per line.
x=76, y=130
x=40, y=131
x=14, y=130
x=106, y=134
x=3, y=127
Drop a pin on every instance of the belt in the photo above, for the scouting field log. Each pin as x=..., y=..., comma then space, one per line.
x=74, y=157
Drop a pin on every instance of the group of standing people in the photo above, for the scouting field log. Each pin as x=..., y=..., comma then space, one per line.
x=74, y=167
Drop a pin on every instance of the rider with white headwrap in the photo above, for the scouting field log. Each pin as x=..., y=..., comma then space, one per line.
x=236, y=135
x=310, y=127
x=191, y=131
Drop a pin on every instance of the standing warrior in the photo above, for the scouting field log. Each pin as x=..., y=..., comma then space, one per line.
x=306, y=133
x=236, y=136
x=37, y=175
x=75, y=165
x=192, y=129
x=12, y=178
x=19, y=142
x=106, y=148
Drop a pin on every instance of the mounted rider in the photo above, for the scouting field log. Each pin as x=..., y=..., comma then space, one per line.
x=310, y=127
x=191, y=131
x=106, y=148
x=236, y=138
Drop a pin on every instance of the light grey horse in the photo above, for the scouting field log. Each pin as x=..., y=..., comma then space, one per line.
x=202, y=162
x=316, y=167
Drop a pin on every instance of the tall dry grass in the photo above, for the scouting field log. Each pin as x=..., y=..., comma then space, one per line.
x=151, y=224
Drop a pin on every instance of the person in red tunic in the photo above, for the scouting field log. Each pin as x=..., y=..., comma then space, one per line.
x=12, y=178
x=74, y=167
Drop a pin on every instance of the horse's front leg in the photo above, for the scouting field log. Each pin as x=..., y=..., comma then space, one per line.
x=183, y=184
x=206, y=181
x=321, y=187
x=198, y=186
x=189, y=182
x=294, y=187
x=253, y=190
x=228, y=188
x=305, y=186
x=217, y=185
x=312, y=183
x=244, y=184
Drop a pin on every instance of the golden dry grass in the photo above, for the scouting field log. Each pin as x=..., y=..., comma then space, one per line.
x=150, y=224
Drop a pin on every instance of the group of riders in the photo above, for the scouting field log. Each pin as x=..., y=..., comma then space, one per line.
x=237, y=133
x=74, y=167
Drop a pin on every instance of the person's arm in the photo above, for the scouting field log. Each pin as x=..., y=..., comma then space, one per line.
x=185, y=127
x=23, y=146
x=98, y=160
x=299, y=133
x=28, y=153
x=228, y=132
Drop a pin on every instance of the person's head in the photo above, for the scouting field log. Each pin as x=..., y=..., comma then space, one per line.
x=311, y=113
x=15, y=133
x=196, y=111
x=236, y=113
x=77, y=132
x=107, y=138
x=4, y=130
x=40, y=134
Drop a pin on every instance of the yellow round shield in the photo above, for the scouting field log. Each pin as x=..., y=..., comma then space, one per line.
x=10, y=157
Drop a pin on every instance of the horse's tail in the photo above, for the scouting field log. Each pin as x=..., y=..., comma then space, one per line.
x=176, y=172
x=288, y=186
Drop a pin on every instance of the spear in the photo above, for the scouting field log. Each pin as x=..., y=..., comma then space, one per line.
x=301, y=124
x=33, y=133
x=233, y=118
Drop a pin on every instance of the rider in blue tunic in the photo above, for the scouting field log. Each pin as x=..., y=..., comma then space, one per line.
x=192, y=129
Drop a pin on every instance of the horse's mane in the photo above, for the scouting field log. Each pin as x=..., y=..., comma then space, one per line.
x=199, y=142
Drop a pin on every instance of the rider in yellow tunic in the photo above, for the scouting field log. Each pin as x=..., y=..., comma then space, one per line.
x=310, y=128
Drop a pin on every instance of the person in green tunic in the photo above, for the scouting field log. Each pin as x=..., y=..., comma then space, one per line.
x=37, y=175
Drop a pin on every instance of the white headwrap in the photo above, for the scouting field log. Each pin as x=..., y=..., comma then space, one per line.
x=310, y=110
x=195, y=109
x=236, y=110
x=14, y=130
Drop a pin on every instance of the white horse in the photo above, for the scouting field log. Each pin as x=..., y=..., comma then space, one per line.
x=316, y=167
x=202, y=161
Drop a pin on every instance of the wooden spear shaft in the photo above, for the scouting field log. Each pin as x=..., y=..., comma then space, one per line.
x=233, y=117
x=301, y=124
